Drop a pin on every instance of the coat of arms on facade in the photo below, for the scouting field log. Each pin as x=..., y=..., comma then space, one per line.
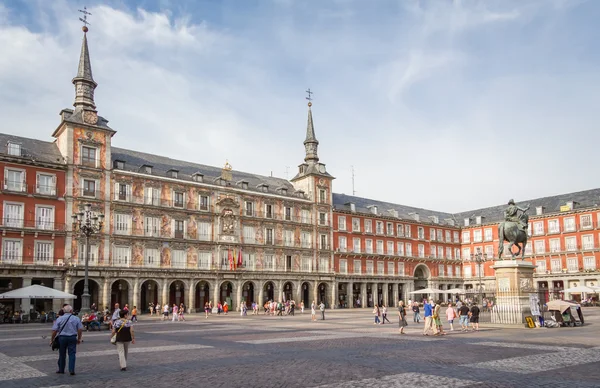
x=227, y=221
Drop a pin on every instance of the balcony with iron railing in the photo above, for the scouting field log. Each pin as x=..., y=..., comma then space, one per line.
x=37, y=225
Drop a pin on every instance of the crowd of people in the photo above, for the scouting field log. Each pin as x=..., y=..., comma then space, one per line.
x=466, y=313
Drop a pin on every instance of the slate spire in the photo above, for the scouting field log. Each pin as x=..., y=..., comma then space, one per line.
x=83, y=81
x=311, y=144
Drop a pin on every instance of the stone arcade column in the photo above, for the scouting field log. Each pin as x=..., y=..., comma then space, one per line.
x=396, y=296
x=136, y=294
x=350, y=295
x=191, y=300
x=261, y=295
x=26, y=303
x=105, y=295
x=514, y=283
x=238, y=295
x=386, y=294
x=68, y=290
x=363, y=295
x=334, y=296
x=57, y=303
x=374, y=293
x=165, y=293
x=216, y=294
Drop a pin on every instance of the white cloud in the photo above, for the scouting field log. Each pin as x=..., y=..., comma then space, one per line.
x=432, y=102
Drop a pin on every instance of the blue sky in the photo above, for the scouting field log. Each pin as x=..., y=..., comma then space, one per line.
x=434, y=103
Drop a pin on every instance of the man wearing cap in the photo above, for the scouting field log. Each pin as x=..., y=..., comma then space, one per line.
x=69, y=330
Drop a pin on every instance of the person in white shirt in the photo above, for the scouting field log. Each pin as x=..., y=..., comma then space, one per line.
x=165, y=312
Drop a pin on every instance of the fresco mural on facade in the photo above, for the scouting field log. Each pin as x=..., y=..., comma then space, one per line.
x=192, y=199
x=192, y=228
x=165, y=257
x=192, y=257
x=137, y=257
x=137, y=191
x=165, y=226
x=138, y=222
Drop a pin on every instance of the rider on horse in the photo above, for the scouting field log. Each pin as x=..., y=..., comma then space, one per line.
x=511, y=214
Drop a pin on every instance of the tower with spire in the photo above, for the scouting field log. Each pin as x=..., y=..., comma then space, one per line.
x=84, y=140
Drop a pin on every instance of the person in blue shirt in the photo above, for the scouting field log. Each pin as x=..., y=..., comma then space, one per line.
x=428, y=314
x=69, y=330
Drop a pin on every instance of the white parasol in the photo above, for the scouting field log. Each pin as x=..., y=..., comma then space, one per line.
x=37, y=292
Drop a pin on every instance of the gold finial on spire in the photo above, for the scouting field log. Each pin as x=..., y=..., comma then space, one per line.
x=227, y=166
x=226, y=172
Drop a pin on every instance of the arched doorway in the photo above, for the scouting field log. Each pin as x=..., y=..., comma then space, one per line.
x=370, y=301
x=119, y=293
x=148, y=294
x=202, y=295
x=288, y=291
x=322, y=290
x=305, y=294
x=226, y=294
x=356, y=301
x=421, y=275
x=176, y=293
x=94, y=289
x=248, y=293
x=268, y=292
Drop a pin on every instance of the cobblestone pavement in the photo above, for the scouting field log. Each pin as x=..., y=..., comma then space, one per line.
x=346, y=350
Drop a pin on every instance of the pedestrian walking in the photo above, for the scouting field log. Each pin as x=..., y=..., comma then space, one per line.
x=428, y=314
x=302, y=307
x=313, y=314
x=123, y=329
x=69, y=331
x=322, y=308
x=451, y=315
x=165, y=312
x=225, y=308
x=474, y=314
x=463, y=313
x=206, y=309
x=384, y=315
x=377, y=313
x=134, y=314
x=115, y=314
x=416, y=312
x=437, y=320
x=181, y=311
x=151, y=308
x=402, y=317
x=175, y=313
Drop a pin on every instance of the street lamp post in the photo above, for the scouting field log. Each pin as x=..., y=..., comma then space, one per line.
x=86, y=224
x=479, y=258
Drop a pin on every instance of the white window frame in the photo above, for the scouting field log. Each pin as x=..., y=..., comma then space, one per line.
x=432, y=236
x=183, y=199
x=12, y=221
x=249, y=234
x=553, y=226
x=203, y=208
x=40, y=222
x=569, y=224
x=539, y=246
x=538, y=228
x=370, y=268
x=249, y=209
x=455, y=237
x=441, y=269
x=205, y=259
x=342, y=223
x=400, y=248
x=401, y=268
x=15, y=256
x=556, y=265
x=306, y=264
x=590, y=225
x=555, y=245
x=50, y=190
x=408, y=249
x=379, y=227
x=571, y=243
x=400, y=230
x=81, y=252
x=151, y=226
x=477, y=235
x=117, y=193
x=356, y=224
x=368, y=226
x=390, y=248
x=572, y=264
x=466, y=236
x=368, y=246
x=589, y=263
x=122, y=224
x=343, y=266
x=408, y=231
x=342, y=243
x=121, y=256
x=389, y=228
x=357, y=267
x=540, y=266
x=380, y=268
x=306, y=239
x=449, y=271
x=391, y=268
x=204, y=226
x=379, y=247
x=43, y=256
x=448, y=235
x=181, y=260
x=88, y=195
x=269, y=211
x=587, y=241
x=95, y=164
x=152, y=196
x=20, y=185
x=420, y=233
x=421, y=250
x=151, y=258
x=323, y=264
x=270, y=241
x=356, y=248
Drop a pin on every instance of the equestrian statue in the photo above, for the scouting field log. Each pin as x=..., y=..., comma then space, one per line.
x=513, y=230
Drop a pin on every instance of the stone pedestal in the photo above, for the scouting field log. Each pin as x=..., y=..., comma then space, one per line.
x=514, y=285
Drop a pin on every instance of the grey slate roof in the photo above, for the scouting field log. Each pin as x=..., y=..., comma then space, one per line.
x=32, y=149
x=161, y=164
x=552, y=204
x=76, y=117
x=340, y=201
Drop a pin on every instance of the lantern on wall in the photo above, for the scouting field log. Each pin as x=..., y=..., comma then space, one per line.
x=305, y=286
x=149, y=287
x=120, y=286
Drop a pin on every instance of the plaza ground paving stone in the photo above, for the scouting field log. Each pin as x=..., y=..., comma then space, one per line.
x=345, y=350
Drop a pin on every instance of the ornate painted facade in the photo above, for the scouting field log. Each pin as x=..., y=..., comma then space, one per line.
x=177, y=231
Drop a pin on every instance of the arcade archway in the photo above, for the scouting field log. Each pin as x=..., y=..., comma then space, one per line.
x=94, y=289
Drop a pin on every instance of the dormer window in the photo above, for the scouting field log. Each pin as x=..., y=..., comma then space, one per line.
x=172, y=173
x=393, y=212
x=300, y=193
x=466, y=222
x=539, y=210
x=478, y=220
x=197, y=177
x=434, y=219
x=415, y=216
x=245, y=185
x=13, y=149
x=282, y=191
x=119, y=164
x=146, y=169
x=373, y=209
x=263, y=187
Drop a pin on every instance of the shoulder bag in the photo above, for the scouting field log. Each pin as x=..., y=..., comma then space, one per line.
x=55, y=344
x=113, y=339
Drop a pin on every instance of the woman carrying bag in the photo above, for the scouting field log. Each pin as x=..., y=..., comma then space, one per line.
x=122, y=335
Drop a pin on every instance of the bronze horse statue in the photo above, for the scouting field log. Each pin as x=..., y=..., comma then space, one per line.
x=510, y=232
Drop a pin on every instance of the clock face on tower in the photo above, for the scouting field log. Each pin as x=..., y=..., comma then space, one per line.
x=90, y=117
x=322, y=169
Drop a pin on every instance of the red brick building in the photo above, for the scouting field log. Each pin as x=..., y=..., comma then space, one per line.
x=32, y=215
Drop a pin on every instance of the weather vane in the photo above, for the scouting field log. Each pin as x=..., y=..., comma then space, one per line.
x=84, y=18
x=309, y=98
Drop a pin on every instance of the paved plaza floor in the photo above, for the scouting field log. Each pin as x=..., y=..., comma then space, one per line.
x=345, y=350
